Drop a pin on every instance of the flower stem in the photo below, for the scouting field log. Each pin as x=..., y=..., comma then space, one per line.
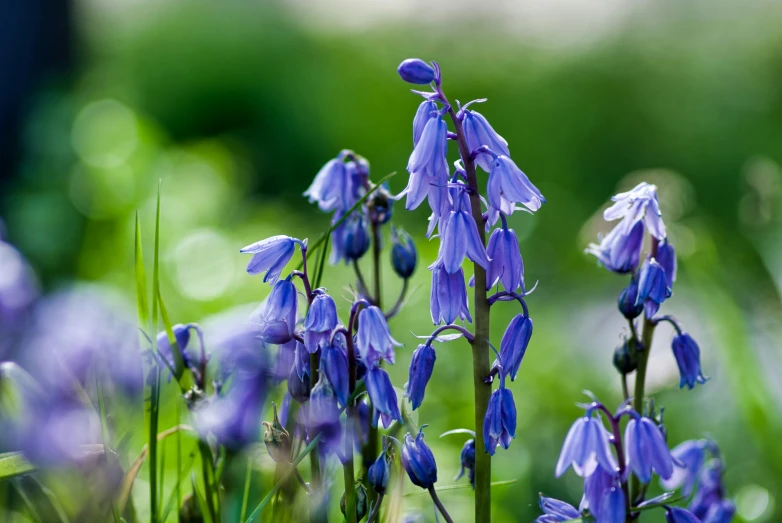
x=375, y=509
x=347, y=467
x=440, y=506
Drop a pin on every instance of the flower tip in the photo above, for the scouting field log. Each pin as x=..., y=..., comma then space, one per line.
x=416, y=71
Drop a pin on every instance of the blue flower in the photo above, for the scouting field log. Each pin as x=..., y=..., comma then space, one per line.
x=448, y=298
x=652, y=287
x=689, y=457
x=508, y=185
x=506, y=265
x=499, y=425
x=556, y=510
x=350, y=240
x=638, y=204
x=403, y=253
x=270, y=256
x=321, y=319
x=514, y=345
x=286, y=356
x=666, y=257
x=612, y=506
x=680, y=515
x=182, y=336
x=478, y=132
x=620, y=250
x=299, y=386
x=421, y=367
x=379, y=473
x=460, y=237
x=646, y=450
x=373, y=339
x=334, y=363
x=418, y=461
x=628, y=298
x=710, y=491
x=416, y=71
x=688, y=359
x=331, y=186
x=323, y=415
x=277, y=315
x=467, y=460
x=596, y=486
x=382, y=393
x=585, y=447
x=428, y=157
x=721, y=512
x=426, y=111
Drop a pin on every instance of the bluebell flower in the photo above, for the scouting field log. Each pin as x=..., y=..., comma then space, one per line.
x=301, y=362
x=585, y=447
x=357, y=181
x=721, y=512
x=441, y=198
x=380, y=207
x=299, y=386
x=508, y=185
x=233, y=417
x=555, y=511
x=286, y=356
x=448, y=298
x=426, y=111
x=620, y=250
x=460, y=237
x=652, y=287
x=379, y=473
x=416, y=71
x=331, y=186
x=514, y=345
x=403, y=253
x=596, y=485
x=356, y=237
x=373, y=339
x=323, y=415
x=276, y=317
x=334, y=363
x=612, y=506
x=499, y=425
x=478, y=132
x=421, y=367
x=689, y=457
x=647, y=450
x=688, y=359
x=628, y=298
x=382, y=393
x=506, y=265
x=418, y=460
x=638, y=204
x=680, y=515
x=182, y=335
x=361, y=424
x=666, y=257
x=429, y=155
x=270, y=256
x=467, y=461
x=710, y=491
x=320, y=321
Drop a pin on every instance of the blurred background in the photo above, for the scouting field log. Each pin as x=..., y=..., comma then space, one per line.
x=235, y=106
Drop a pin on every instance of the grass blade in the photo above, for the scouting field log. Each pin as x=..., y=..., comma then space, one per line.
x=154, y=408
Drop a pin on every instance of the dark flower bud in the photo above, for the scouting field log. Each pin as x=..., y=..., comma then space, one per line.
x=626, y=357
x=380, y=205
x=416, y=71
x=356, y=237
x=277, y=439
x=627, y=301
x=361, y=501
x=403, y=253
x=418, y=461
x=379, y=473
x=299, y=386
x=467, y=459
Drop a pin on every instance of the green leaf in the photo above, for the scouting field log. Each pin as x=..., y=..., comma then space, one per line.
x=141, y=279
x=179, y=363
x=13, y=464
x=462, y=486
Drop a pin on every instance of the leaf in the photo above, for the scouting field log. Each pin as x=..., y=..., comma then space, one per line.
x=442, y=337
x=141, y=279
x=463, y=486
x=14, y=464
x=458, y=431
x=179, y=362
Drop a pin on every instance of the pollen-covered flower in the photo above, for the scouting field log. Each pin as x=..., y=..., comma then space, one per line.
x=270, y=256
x=448, y=298
x=321, y=319
x=416, y=71
x=418, y=461
x=421, y=367
x=688, y=359
x=382, y=393
x=508, y=185
x=646, y=450
x=514, y=345
x=585, y=447
x=506, y=265
x=653, y=289
x=276, y=317
x=479, y=132
x=403, y=253
x=499, y=425
x=373, y=339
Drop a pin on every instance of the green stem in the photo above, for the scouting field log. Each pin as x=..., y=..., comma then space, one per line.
x=246, y=494
x=208, y=472
x=349, y=473
x=439, y=504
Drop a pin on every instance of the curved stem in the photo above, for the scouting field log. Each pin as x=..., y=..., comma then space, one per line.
x=467, y=334
x=400, y=300
x=361, y=281
x=375, y=509
x=439, y=504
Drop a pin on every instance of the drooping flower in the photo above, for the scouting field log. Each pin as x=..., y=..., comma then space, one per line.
x=379, y=473
x=418, y=461
x=689, y=457
x=334, y=363
x=421, y=367
x=710, y=491
x=299, y=386
x=721, y=512
x=499, y=425
x=350, y=239
x=652, y=287
x=628, y=298
x=448, y=298
x=509, y=185
x=416, y=71
x=403, y=253
x=428, y=157
x=373, y=339
x=382, y=393
x=556, y=511
x=182, y=336
x=596, y=486
x=323, y=415
x=514, y=345
x=467, y=461
x=506, y=265
x=612, y=506
x=233, y=417
x=647, y=450
x=688, y=359
x=666, y=257
x=478, y=132
x=286, y=356
x=680, y=515
x=426, y=111
x=270, y=256
x=331, y=186
x=320, y=321
x=276, y=317
x=638, y=204
x=620, y=250
x=585, y=447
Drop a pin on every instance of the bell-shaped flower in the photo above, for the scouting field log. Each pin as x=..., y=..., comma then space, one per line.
x=270, y=256
x=448, y=298
x=680, y=515
x=350, y=239
x=612, y=506
x=596, y=485
x=710, y=490
x=299, y=386
x=334, y=363
x=514, y=345
x=653, y=289
x=182, y=336
x=689, y=457
x=286, y=356
x=506, y=265
x=373, y=339
x=460, y=237
x=467, y=461
x=499, y=425
x=416, y=71
x=429, y=155
x=721, y=512
x=277, y=315
x=331, y=187
x=425, y=112
x=418, y=461
x=585, y=447
x=628, y=300
x=323, y=415
x=320, y=321
x=638, y=204
x=379, y=473
x=233, y=416
x=382, y=393
x=556, y=511
x=404, y=256
x=507, y=183
x=620, y=250
x=688, y=359
x=666, y=257
x=421, y=367
x=478, y=132
x=646, y=450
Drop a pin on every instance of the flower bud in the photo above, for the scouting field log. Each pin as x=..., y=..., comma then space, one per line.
x=467, y=459
x=277, y=439
x=379, y=473
x=356, y=237
x=361, y=501
x=298, y=386
x=418, y=461
x=380, y=205
x=627, y=301
x=403, y=253
x=416, y=71
x=626, y=357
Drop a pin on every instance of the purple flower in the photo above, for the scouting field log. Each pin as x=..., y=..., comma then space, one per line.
x=421, y=367
x=689, y=457
x=350, y=240
x=710, y=491
x=557, y=510
x=277, y=315
x=646, y=450
x=612, y=506
x=460, y=237
x=321, y=319
x=334, y=362
x=652, y=287
x=233, y=417
x=425, y=112
x=596, y=486
x=428, y=157
x=418, y=461
x=585, y=447
x=416, y=71
x=323, y=416
x=688, y=359
x=448, y=299
x=499, y=425
x=403, y=253
x=467, y=460
x=331, y=186
x=638, y=204
x=182, y=336
x=680, y=515
x=514, y=345
x=478, y=132
x=382, y=393
x=666, y=257
x=373, y=339
x=270, y=256
x=721, y=512
x=379, y=473
x=299, y=386
x=506, y=265
x=620, y=250
x=627, y=300
x=508, y=185
x=286, y=356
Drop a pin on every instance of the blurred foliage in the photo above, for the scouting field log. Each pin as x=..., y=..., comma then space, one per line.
x=236, y=106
